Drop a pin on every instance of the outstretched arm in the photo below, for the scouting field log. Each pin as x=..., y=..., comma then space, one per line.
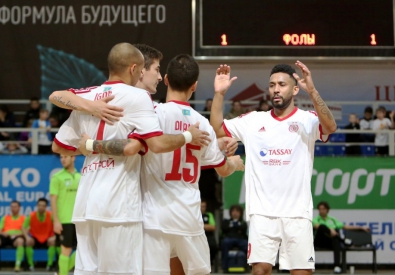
x=100, y=108
x=325, y=116
x=159, y=144
x=222, y=82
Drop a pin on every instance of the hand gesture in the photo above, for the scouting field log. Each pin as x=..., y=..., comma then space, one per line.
x=82, y=146
x=199, y=138
x=392, y=115
x=222, y=80
x=229, y=145
x=106, y=112
x=57, y=227
x=306, y=83
x=238, y=161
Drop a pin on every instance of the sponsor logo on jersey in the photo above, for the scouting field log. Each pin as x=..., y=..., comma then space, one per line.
x=276, y=162
x=101, y=164
x=275, y=152
x=67, y=182
x=103, y=94
x=262, y=129
x=263, y=152
x=186, y=112
x=249, y=250
x=311, y=260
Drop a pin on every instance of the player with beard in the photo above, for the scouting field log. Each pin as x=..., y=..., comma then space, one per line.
x=280, y=153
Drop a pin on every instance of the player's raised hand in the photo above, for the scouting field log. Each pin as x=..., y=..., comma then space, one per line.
x=199, y=137
x=82, y=146
x=222, y=80
x=104, y=111
x=306, y=83
x=238, y=162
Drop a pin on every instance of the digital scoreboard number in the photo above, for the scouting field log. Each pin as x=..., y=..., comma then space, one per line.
x=336, y=28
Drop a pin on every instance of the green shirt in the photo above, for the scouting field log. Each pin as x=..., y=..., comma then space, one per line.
x=330, y=222
x=26, y=223
x=10, y=232
x=64, y=185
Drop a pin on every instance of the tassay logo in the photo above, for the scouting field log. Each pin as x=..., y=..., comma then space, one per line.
x=263, y=152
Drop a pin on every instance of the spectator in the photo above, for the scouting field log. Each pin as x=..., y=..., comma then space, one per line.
x=7, y=120
x=61, y=114
x=263, y=106
x=352, y=150
x=38, y=232
x=33, y=112
x=14, y=148
x=382, y=123
x=209, y=229
x=44, y=137
x=327, y=232
x=55, y=123
x=24, y=137
x=11, y=233
x=207, y=107
x=234, y=232
x=366, y=123
x=235, y=111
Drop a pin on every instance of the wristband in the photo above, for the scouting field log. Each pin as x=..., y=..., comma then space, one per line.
x=89, y=144
x=188, y=136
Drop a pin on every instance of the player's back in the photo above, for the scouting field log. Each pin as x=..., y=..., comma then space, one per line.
x=109, y=189
x=169, y=181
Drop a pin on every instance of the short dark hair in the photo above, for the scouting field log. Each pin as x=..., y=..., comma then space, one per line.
x=236, y=207
x=34, y=98
x=17, y=202
x=284, y=68
x=324, y=204
x=182, y=72
x=44, y=200
x=368, y=109
x=150, y=54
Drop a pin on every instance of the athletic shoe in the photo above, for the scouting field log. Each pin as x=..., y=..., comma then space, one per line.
x=31, y=268
x=337, y=270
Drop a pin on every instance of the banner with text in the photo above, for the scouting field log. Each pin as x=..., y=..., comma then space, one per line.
x=27, y=178
x=360, y=191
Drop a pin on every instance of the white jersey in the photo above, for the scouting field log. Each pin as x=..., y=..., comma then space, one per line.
x=279, y=161
x=381, y=139
x=169, y=182
x=109, y=189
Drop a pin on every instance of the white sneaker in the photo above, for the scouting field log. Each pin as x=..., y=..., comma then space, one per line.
x=337, y=270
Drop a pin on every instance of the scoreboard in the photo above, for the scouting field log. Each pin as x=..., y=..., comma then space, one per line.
x=315, y=28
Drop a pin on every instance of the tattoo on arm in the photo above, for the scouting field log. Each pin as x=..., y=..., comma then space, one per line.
x=323, y=108
x=110, y=147
x=68, y=104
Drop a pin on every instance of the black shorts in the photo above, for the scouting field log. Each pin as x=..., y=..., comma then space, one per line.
x=37, y=244
x=68, y=238
x=382, y=150
x=7, y=241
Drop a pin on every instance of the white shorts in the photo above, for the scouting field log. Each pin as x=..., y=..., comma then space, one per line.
x=159, y=247
x=292, y=236
x=108, y=248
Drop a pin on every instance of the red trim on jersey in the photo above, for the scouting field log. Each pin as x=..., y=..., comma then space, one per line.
x=100, y=131
x=145, y=136
x=71, y=90
x=321, y=134
x=145, y=151
x=180, y=102
x=113, y=82
x=222, y=163
x=283, y=118
x=226, y=130
x=65, y=146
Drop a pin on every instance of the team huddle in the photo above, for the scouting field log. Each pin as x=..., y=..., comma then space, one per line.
x=137, y=208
